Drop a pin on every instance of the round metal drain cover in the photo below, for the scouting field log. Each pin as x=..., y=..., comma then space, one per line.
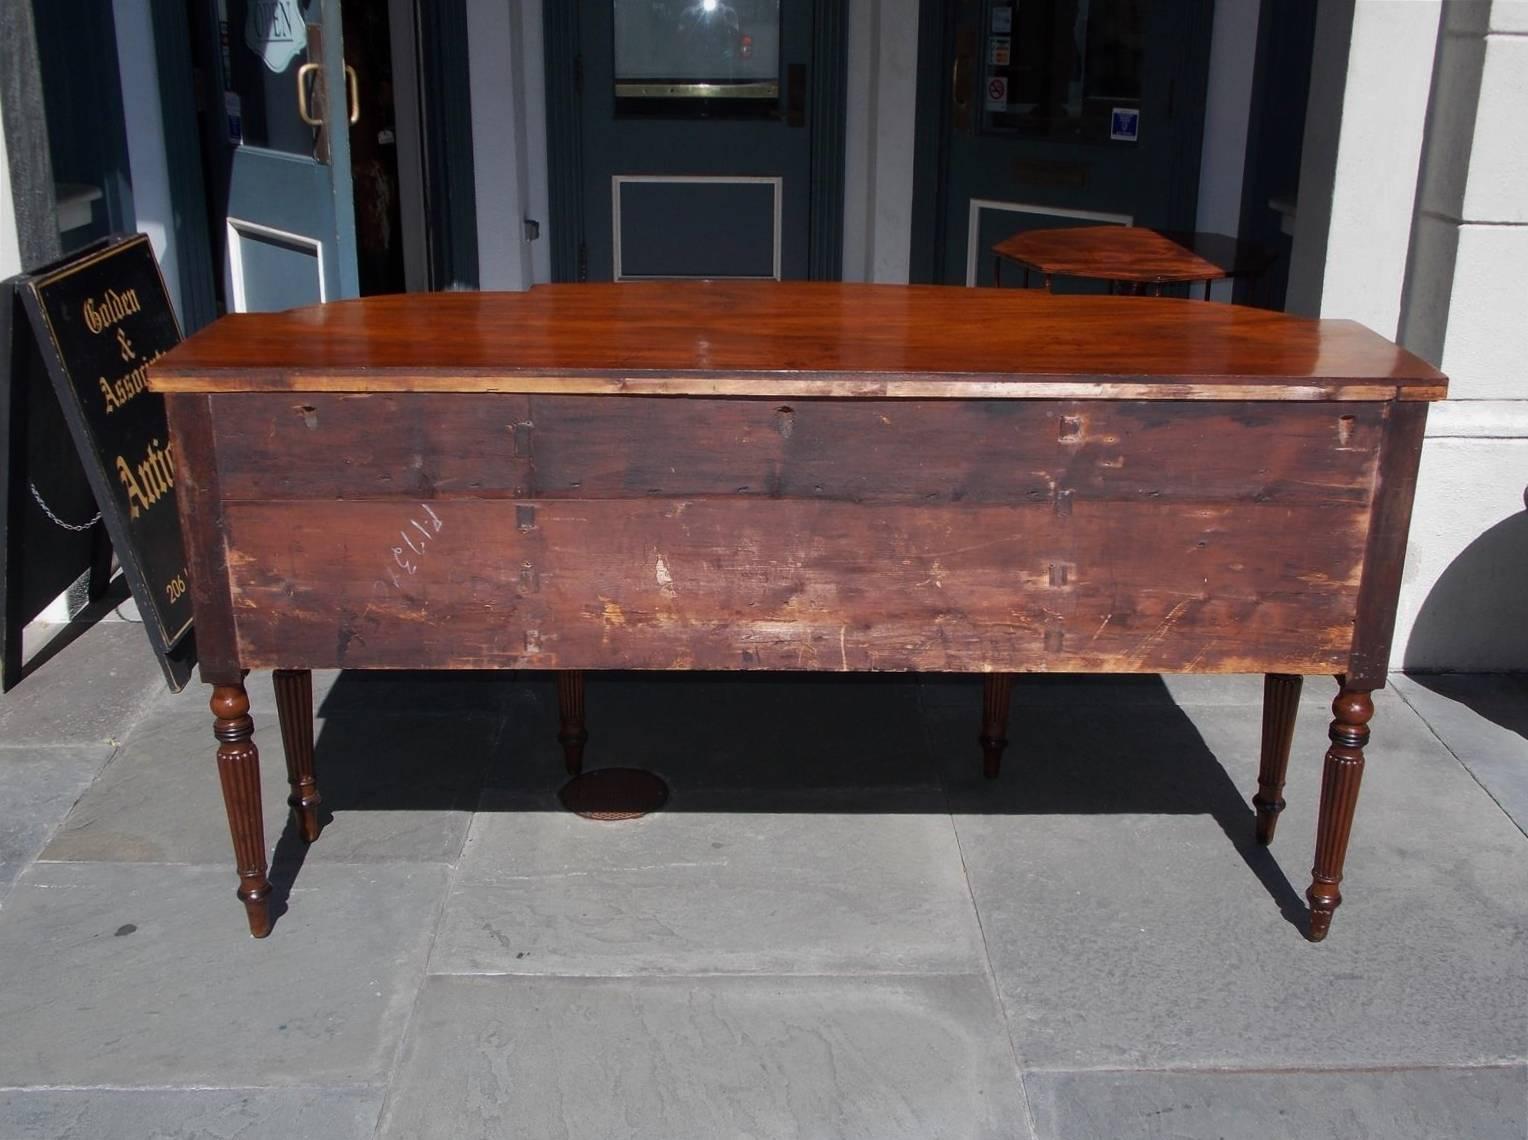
x=611, y=794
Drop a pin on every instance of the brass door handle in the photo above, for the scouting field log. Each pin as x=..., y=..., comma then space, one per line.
x=352, y=88
x=304, y=112
x=960, y=93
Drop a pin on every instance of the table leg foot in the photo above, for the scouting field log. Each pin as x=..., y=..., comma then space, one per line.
x=996, y=689
x=1341, y=775
x=570, y=706
x=239, y=770
x=294, y=708
x=1281, y=700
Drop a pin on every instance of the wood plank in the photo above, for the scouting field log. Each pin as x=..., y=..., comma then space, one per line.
x=795, y=339
x=198, y=498
x=436, y=447
x=372, y=446
x=1394, y=488
x=786, y=584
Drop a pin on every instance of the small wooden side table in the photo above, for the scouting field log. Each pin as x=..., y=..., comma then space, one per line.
x=1141, y=260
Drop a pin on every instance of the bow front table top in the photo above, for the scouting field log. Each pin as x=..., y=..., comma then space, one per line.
x=1133, y=256
x=731, y=475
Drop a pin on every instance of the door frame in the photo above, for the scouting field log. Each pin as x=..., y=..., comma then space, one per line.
x=932, y=129
x=826, y=109
x=183, y=162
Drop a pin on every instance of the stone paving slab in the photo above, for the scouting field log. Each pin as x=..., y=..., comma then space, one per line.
x=399, y=786
x=90, y=694
x=145, y=975
x=702, y=1058
x=190, y=1114
x=38, y=788
x=1483, y=720
x=865, y=881
x=1408, y=1104
x=808, y=874
x=1131, y=921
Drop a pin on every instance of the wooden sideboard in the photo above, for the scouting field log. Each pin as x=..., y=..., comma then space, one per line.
x=728, y=475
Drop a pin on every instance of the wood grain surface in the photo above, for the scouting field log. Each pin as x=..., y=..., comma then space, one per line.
x=795, y=340
x=784, y=584
x=319, y=446
x=1132, y=253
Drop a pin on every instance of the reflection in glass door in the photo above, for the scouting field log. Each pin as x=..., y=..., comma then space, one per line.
x=278, y=149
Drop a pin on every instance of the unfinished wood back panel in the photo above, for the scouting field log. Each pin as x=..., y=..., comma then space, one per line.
x=318, y=446
x=579, y=532
x=717, y=583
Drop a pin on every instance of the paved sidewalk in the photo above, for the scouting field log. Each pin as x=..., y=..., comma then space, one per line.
x=836, y=928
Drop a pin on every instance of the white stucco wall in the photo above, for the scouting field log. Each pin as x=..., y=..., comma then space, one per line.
x=1413, y=199
x=1464, y=604
x=501, y=155
x=881, y=111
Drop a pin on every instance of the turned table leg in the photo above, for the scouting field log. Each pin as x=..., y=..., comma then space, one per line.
x=1343, y=770
x=239, y=771
x=294, y=708
x=1281, y=700
x=570, y=706
x=996, y=688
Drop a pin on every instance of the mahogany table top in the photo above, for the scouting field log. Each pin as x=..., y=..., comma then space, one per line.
x=1133, y=253
x=731, y=338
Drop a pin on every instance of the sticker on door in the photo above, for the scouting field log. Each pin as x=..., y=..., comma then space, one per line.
x=1125, y=124
x=276, y=31
x=997, y=93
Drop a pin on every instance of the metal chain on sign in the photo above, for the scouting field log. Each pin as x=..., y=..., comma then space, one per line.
x=47, y=510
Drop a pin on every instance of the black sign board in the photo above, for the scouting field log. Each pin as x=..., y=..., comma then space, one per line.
x=51, y=534
x=99, y=320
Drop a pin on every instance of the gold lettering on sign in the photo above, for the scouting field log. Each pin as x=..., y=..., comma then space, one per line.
x=118, y=392
x=112, y=307
x=151, y=481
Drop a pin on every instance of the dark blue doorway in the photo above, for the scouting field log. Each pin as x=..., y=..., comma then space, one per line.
x=696, y=138
x=1049, y=113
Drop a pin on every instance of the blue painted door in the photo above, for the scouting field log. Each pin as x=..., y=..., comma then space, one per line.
x=697, y=145
x=279, y=144
x=1067, y=113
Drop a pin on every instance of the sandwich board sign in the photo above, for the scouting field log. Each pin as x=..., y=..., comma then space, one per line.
x=99, y=319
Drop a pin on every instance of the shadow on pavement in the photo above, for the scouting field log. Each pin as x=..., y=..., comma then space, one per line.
x=781, y=743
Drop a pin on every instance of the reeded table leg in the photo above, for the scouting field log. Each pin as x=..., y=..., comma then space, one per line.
x=570, y=705
x=239, y=771
x=1281, y=700
x=996, y=688
x=1340, y=778
x=294, y=708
